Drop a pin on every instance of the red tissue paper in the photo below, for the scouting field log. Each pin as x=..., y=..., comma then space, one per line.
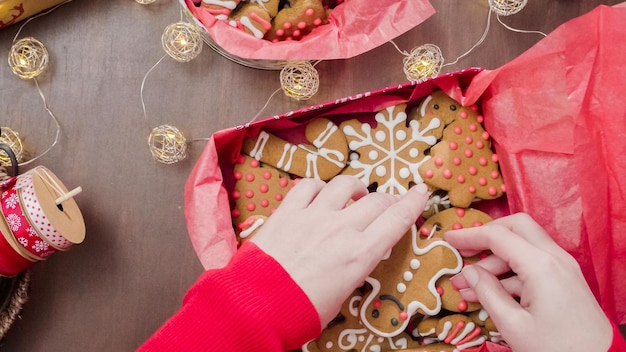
x=354, y=27
x=558, y=120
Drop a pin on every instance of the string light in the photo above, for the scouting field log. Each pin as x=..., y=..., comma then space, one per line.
x=182, y=41
x=28, y=58
x=145, y=2
x=423, y=62
x=167, y=144
x=506, y=7
x=299, y=80
x=11, y=139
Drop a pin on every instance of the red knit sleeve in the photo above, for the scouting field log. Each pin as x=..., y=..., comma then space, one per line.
x=618, y=344
x=250, y=305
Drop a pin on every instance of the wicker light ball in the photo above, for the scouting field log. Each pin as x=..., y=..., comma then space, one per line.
x=12, y=140
x=182, y=41
x=167, y=144
x=423, y=62
x=506, y=7
x=299, y=80
x=28, y=58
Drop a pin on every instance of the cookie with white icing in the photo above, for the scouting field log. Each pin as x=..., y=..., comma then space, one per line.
x=457, y=330
x=220, y=9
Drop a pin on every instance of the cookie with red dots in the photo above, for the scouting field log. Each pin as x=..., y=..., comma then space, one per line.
x=323, y=158
x=297, y=21
x=457, y=330
x=462, y=162
x=436, y=105
x=433, y=229
x=258, y=190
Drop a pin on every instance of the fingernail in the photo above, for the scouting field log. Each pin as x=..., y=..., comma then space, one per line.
x=471, y=275
x=421, y=188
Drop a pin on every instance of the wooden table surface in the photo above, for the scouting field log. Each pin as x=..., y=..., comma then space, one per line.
x=113, y=291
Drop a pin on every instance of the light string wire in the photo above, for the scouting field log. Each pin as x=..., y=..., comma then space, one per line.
x=519, y=30
x=41, y=94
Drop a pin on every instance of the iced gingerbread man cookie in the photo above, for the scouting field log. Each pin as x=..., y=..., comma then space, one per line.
x=345, y=333
x=462, y=162
x=404, y=285
x=323, y=159
x=258, y=191
x=389, y=153
x=437, y=105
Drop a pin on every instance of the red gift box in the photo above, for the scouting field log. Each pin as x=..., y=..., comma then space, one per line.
x=557, y=118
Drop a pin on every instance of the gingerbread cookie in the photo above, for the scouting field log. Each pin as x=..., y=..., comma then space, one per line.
x=253, y=19
x=462, y=163
x=323, y=159
x=220, y=9
x=258, y=190
x=346, y=333
x=482, y=318
x=434, y=347
x=437, y=105
x=249, y=227
x=457, y=330
x=404, y=285
x=390, y=153
x=298, y=20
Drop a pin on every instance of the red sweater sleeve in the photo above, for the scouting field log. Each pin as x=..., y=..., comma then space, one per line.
x=618, y=344
x=250, y=305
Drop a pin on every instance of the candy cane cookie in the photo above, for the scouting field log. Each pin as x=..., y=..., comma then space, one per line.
x=323, y=159
x=457, y=330
x=220, y=9
x=253, y=19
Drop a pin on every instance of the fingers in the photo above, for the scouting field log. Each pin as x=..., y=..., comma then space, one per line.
x=386, y=229
x=492, y=264
x=302, y=194
x=338, y=192
x=512, y=285
x=523, y=225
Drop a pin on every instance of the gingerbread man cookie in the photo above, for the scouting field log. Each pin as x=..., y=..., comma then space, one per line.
x=323, y=159
x=462, y=163
x=404, y=285
x=258, y=190
x=390, y=153
x=437, y=105
x=346, y=333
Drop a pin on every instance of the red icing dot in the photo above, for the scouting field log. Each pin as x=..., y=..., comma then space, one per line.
x=477, y=223
x=460, y=179
x=302, y=25
x=495, y=174
x=254, y=163
x=468, y=153
x=249, y=193
x=447, y=173
x=267, y=175
x=463, y=114
x=283, y=182
x=480, y=144
x=462, y=306
x=438, y=161
x=403, y=316
x=250, y=177
x=474, y=108
x=250, y=206
x=485, y=135
x=458, y=130
x=439, y=290
x=493, y=191
x=317, y=21
x=265, y=203
x=309, y=12
x=287, y=25
x=280, y=33
x=482, y=181
x=264, y=188
x=472, y=189
x=457, y=226
x=460, y=212
x=480, y=118
x=494, y=158
x=240, y=159
x=482, y=161
x=424, y=232
x=469, y=140
x=236, y=195
x=238, y=175
x=296, y=33
x=456, y=160
x=453, y=145
x=429, y=174
x=278, y=197
x=472, y=127
x=503, y=188
x=377, y=304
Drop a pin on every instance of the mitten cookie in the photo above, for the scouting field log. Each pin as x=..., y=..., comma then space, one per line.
x=252, y=18
x=462, y=163
x=390, y=153
x=346, y=333
x=323, y=159
x=220, y=9
x=298, y=20
x=404, y=285
x=258, y=190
